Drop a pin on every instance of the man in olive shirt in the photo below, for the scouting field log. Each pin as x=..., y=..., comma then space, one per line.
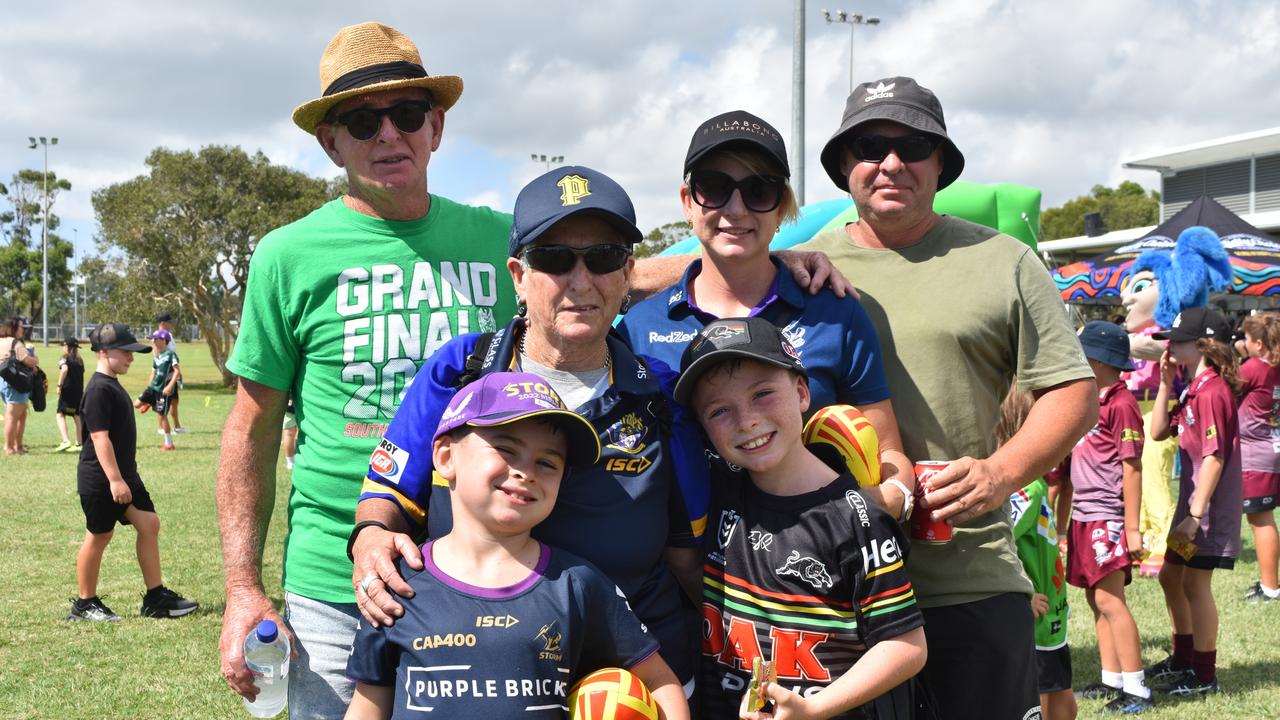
x=960, y=310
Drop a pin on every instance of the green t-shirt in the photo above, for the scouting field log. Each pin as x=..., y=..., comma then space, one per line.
x=163, y=364
x=342, y=309
x=960, y=313
x=1035, y=535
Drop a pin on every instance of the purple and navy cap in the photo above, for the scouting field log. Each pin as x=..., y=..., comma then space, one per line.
x=750, y=338
x=162, y=334
x=565, y=191
x=506, y=397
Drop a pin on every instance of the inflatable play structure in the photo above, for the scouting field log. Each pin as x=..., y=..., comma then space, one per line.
x=1009, y=208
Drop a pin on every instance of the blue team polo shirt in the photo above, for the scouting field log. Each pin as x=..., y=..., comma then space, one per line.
x=834, y=336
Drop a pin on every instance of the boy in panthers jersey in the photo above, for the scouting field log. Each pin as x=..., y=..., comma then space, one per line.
x=803, y=571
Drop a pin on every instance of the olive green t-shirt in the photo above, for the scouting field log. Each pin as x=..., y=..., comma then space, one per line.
x=341, y=309
x=959, y=314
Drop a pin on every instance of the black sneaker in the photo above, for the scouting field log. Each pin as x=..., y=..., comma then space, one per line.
x=1256, y=594
x=92, y=609
x=1097, y=691
x=1127, y=704
x=1165, y=671
x=1192, y=685
x=161, y=602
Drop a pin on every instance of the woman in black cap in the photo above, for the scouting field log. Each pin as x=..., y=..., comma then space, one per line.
x=736, y=194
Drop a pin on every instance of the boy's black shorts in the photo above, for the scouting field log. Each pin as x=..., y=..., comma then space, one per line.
x=1055, y=669
x=101, y=512
x=157, y=401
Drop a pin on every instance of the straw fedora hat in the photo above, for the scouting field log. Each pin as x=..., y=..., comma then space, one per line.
x=371, y=57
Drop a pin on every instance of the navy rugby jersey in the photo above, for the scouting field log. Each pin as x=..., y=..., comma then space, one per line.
x=462, y=651
x=807, y=582
x=620, y=514
x=834, y=336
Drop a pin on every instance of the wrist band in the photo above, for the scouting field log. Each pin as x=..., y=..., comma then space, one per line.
x=907, y=497
x=351, y=539
x=1197, y=518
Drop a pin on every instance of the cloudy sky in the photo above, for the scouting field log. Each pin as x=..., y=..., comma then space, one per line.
x=1049, y=94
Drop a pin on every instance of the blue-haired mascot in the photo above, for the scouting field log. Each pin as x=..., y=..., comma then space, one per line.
x=1161, y=284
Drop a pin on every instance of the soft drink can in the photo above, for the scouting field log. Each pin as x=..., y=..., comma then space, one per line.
x=924, y=528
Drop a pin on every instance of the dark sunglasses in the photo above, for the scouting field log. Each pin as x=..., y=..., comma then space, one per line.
x=909, y=148
x=560, y=259
x=760, y=193
x=364, y=122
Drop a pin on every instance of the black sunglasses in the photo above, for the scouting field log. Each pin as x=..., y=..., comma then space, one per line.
x=560, y=259
x=760, y=193
x=909, y=148
x=364, y=122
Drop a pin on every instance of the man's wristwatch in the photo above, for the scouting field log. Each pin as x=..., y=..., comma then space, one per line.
x=355, y=531
x=908, y=498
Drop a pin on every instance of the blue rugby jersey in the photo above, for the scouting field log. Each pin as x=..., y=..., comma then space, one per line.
x=834, y=336
x=462, y=651
x=620, y=514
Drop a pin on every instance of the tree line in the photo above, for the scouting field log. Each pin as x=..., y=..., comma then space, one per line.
x=179, y=237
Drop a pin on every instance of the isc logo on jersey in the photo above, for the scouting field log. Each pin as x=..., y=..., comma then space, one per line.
x=388, y=461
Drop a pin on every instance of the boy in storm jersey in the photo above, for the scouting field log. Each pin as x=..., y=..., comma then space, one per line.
x=501, y=625
x=804, y=571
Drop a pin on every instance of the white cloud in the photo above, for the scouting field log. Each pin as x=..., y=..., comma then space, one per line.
x=1040, y=93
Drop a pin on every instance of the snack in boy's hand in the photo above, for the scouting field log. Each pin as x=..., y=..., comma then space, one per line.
x=761, y=672
x=1185, y=548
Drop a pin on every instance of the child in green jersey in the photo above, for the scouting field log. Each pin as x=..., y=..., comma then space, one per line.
x=1035, y=536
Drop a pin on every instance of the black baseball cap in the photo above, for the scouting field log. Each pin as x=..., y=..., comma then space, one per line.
x=737, y=127
x=1107, y=343
x=71, y=342
x=115, y=336
x=752, y=338
x=562, y=192
x=897, y=99
x=1196, y=323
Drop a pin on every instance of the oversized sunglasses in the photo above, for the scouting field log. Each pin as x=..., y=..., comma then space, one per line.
x=760, y=193
x=364, y=122
x=560, y=259
x=909, y=148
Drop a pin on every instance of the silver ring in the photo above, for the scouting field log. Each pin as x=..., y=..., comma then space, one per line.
x=366, y=581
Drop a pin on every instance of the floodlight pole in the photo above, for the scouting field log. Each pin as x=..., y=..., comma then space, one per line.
x=44, y=233
x=547, y=160
x=797, y=104
x=853, y=20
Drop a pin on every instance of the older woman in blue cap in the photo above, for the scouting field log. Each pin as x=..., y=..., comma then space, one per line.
x=570, y=260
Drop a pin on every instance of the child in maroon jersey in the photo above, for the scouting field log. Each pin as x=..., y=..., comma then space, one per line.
x=1209, y=496
x=1260, y=446
x=1106, y=479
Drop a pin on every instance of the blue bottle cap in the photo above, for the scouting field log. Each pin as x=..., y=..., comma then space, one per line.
x=267, y=631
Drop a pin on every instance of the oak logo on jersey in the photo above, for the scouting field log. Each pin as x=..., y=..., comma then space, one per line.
x=728, y=523
x=736, y=641
x=572, y=189
x=627, y=434
x=550, y=637
x=810, y=570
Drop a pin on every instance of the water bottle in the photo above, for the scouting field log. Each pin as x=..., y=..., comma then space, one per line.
x=266, y=652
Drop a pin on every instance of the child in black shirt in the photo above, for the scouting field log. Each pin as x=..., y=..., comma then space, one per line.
x=111, y=491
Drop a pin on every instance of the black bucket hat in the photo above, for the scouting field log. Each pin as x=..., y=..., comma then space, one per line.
x=896, y=99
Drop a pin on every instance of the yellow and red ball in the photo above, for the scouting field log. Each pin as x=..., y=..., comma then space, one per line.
x=611, y=694
x=846, y=429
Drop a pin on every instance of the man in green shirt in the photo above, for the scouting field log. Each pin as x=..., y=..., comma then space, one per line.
x=341, y=308
x=959, y=309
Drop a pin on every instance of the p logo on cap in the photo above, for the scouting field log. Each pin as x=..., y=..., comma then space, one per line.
x=572, y=189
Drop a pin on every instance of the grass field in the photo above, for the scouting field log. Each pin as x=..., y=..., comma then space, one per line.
x=146, y=668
